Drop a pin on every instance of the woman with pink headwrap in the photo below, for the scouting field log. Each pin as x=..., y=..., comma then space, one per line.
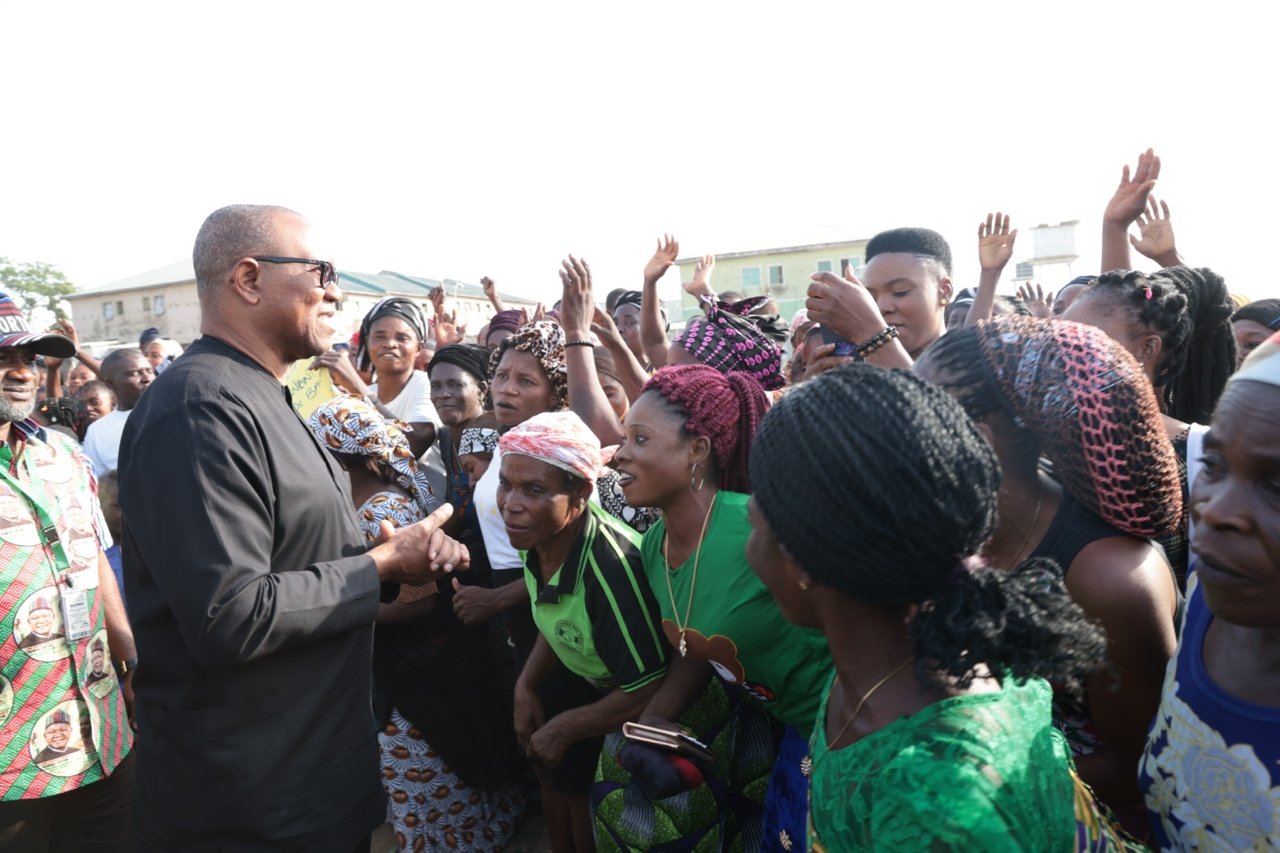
x=594, y=610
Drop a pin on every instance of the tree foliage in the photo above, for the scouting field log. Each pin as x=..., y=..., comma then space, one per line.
x=40, y=287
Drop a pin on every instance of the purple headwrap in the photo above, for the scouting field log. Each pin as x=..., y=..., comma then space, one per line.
x=730, y=339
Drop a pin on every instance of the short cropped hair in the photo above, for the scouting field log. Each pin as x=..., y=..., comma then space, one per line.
x=229, y=234
x=921, y=242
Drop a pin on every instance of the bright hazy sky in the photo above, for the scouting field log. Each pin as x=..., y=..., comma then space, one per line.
x=463, y=139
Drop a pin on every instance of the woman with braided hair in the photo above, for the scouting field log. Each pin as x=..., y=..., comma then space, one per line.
x=1163, y=318
x=1067, y=392
x=935, y=730
x=685, y=452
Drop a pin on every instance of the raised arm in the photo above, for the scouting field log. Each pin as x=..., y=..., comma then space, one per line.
x=631, y=372
x=586, y=395
x=1157, y=241
x=1126, y=205
x=699, y=287
x=491, y=291
x=653, y=337
x=67, y=328
x=995, y=248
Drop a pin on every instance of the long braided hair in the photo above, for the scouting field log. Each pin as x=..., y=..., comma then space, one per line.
x=724, y=407
x=1085, y=402
x=1190, y=309
x=916, y=499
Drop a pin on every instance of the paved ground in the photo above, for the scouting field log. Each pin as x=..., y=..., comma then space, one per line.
x=532, y=838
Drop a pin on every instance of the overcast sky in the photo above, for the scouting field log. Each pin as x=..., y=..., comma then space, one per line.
x=464, y=139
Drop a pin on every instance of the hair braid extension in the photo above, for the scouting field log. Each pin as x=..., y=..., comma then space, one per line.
x=726, y=408
x=916, y=496
x=1087, y=403
x=1190, y=309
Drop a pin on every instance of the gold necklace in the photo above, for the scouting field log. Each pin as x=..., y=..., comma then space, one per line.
x=1035, y=522
x=808, y=765
x=693, y=581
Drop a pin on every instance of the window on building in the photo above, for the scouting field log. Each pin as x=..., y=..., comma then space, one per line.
x=119, y=308
x=824, y=266
x=854, y=264
x=146, y=304
x=157, y=305
x=108, y=310
x=775, y=275
x=750, y=277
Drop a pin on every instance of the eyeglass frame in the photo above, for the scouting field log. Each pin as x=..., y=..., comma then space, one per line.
x=328, y=272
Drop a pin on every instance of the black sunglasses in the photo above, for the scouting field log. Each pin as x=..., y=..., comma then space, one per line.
x=328, y=272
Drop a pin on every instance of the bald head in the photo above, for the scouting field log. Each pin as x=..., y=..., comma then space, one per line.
x=231, y=233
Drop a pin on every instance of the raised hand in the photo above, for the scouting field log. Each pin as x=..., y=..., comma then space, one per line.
x=437, y=300
x=605, y=329
x=1130, y=197
x=64, y=327
x=447, y=329
x=491, y=292
x=1157, y=241
x=539, y=313
x=663, y=258
x=576, y=306
x=700, y=284
x=995, y=242
x=1039, y=303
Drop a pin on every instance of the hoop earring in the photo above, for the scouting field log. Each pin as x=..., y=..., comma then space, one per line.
x=695, y=482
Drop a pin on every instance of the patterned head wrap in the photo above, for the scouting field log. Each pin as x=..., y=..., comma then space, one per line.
x=560, y=439
x=636, y=298
x=505, y=321
x=392, y=306
x=731, y=339
x=350, y=425
x=544, y=341
x=1092, y=408
x=1262, y=365
x=478, y=440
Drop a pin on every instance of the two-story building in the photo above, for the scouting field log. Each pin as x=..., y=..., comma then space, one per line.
x=780, y=273
x=166, y=299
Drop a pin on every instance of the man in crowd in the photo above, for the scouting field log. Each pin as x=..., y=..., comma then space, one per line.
x=251, y=590
x=127, y=373
x=53, y=797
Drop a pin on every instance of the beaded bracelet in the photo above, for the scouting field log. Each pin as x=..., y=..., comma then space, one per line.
x=585, y=342
x=875, y=343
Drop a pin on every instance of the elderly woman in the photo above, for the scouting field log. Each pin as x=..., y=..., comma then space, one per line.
x=1211, y=770
x=594, y=611
x=1067, y=392
x=935, y=732
x=449, y=772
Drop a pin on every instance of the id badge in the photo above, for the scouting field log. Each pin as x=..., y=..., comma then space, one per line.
x=75, y=614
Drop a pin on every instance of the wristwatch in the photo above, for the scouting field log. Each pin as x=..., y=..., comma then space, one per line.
x=125, y=666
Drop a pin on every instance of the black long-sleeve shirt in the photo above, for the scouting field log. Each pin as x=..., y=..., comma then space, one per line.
x=252, y=604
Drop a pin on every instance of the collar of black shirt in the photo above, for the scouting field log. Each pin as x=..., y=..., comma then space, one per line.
x=571, y=571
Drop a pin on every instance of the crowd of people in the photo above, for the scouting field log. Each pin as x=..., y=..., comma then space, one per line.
x=919, y=567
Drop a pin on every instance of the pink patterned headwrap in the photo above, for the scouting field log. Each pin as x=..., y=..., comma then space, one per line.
x=560, y=439
x=1093, y=410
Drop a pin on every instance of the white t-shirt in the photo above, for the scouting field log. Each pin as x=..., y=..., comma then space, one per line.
x=485, y=497
x=102, y=441
x=413, y=405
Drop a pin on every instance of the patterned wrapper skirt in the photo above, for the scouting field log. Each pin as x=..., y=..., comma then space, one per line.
x=430, y=807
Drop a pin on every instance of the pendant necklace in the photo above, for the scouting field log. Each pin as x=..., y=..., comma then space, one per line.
x=693, y=581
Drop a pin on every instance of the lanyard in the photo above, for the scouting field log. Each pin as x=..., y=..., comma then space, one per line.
x=48, y=529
